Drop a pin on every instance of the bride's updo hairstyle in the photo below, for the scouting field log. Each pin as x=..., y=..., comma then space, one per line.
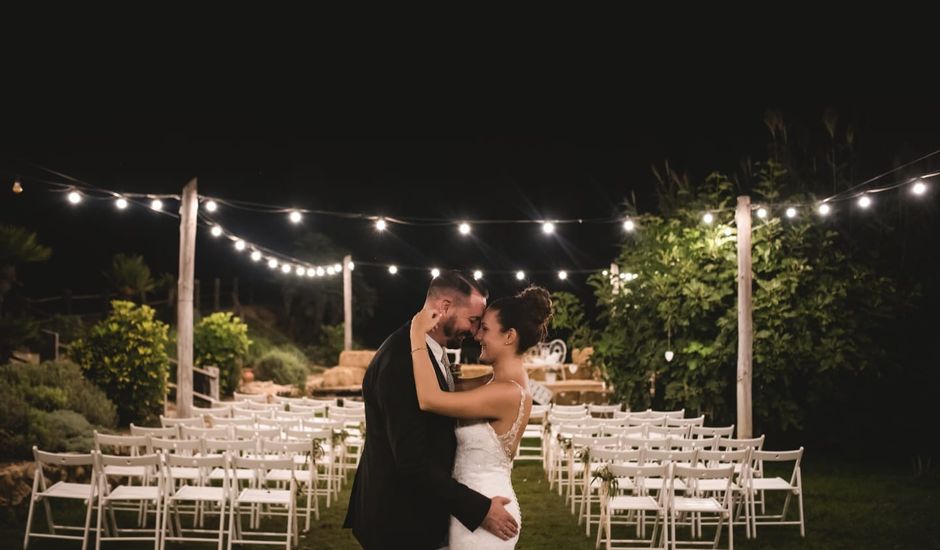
x=528, y=312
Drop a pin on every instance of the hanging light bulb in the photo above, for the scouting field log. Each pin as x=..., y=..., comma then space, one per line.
x=669, y=355
x=295, y=216
x=824, y=209
x=216, y=230
x=477, y=275
x=285, y=268
x=562, y=275
x=211, y=206
x=761, y=213
x=605, y=273
x=351, y=266
x=919, y=187
x=520, y=275
x=380, y=224
x=629, y=225
x=239, y=245
x=301, y=271
x=791, y=212
x=121, y=203
x=272, y=263
x=548, y=228
x=330, y=270
x=75, y=197
x=435, y=273
x=255, y=256
x=17, y=186
x=393, y=269
x=311, y=272
x=708, y=218
x=338, y=268
x=464, y=228
x=864, y=201
x=320, y=271
x=156, y=204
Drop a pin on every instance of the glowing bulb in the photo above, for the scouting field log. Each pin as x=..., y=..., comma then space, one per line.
x=330, y=270
x=351, y=266
x=464, y=228
x=791, y=212
x=477, y=275
x=285, y=268
x=156, y=204
x=311, y=272
x=393, y=269
x=824, y=209
x=435, y=273
x=919, y=188
x=548, y=228
x=17, y=187
x=727, y=232
x=761, y=213
x=320, y=271
x=623, y=276
x=75, y=197
x=338, y=268
x=669, y=356
x=216, y=230
x=255, y=256
x=520, y=275
x=211, y=206
x=295, y=217
x=562, y=275
x=239, y=245
x=864, y=201
x=380, y=224
x=708, y=218
x=272, y=263
x=605, y=273
x=628, y=225
x=301, y=271
x=121, y=203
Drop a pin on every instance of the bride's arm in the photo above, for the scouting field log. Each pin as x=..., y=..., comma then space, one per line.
x=489, y=401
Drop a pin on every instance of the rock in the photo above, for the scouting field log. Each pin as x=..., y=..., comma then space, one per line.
x=343, y=376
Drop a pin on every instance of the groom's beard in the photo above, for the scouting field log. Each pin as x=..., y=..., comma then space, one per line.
x=452, y=338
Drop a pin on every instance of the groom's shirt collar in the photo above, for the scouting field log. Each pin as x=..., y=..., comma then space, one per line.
x=436, y=349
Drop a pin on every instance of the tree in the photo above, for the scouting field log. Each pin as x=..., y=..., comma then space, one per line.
x=130, y=276
x=17, y=246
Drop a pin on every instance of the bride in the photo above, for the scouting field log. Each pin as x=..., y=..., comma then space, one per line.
x=485, y=448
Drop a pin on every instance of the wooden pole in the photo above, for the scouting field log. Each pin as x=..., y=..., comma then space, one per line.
x=347, y=303
x=742, y=219
x=184, y=304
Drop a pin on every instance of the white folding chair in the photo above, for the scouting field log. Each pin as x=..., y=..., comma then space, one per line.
x=224, y=411
x=739, y=460
x=639, y=503
x=125, y=445
x=217, y=421
x=582, y=408
x=534, y=430
x=230, y=448
x=218, y=432
x=792, y=487
x=303, y=451
x=669, y=414
x=145, y=495
x=604, y=411
x=695, y=504
x=580, y=451
x=674, y=432
x=599, y=458
x=61, y=490
x=683, y=422
x=704, y=431
x=261, y=495
x=255, y=397
x=199, y=493
x=169, y=433
x=319, y=409
x=195, y=422
x=321, y=440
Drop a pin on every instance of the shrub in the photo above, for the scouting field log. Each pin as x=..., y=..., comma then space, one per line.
x=221, y=339
x=330, y=343
x=126, y=355
x=282, y=367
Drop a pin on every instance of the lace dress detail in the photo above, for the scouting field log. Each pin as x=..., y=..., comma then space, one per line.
x=483, y=462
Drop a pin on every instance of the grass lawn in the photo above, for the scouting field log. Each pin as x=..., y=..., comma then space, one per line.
x=851, y=507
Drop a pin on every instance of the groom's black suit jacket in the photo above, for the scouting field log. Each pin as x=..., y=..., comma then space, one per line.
x=403, y=494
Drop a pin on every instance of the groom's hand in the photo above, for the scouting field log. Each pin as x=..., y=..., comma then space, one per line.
x=498, y=521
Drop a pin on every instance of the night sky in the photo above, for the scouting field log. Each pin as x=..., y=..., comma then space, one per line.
x=581, y=166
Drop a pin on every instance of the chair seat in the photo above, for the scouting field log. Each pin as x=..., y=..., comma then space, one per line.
x=126, y=471
x=63, y=489
x=715, y=485
x=190, y=493
x=264, y=496
x=633, y=503
x=688, y=504
x=771, y=484
x=240, y=474
x=133, y=492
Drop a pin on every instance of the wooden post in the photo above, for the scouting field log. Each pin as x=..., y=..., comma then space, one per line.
x=184, y=304
x=217, y=295
x=742, y=219
x=347, y=303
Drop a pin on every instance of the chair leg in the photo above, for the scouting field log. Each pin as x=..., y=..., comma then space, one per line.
x=29, y=521
x=98, y=530
x=802, y=523
x=89, y=506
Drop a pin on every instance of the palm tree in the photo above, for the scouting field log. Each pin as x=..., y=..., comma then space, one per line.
x=17, y=246
x=130, y=276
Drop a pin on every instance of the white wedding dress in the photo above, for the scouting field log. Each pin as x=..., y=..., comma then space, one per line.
x=483, y=462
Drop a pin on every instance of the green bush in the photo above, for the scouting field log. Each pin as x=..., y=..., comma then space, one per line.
x=221, y=339
x=331, y=342
x=50, y=405
x=282, y=367
x=126, y=356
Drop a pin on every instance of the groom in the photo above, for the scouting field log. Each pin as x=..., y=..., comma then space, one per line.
x=403, y=495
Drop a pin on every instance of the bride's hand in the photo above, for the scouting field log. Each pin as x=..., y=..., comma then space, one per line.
x=425, y=320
